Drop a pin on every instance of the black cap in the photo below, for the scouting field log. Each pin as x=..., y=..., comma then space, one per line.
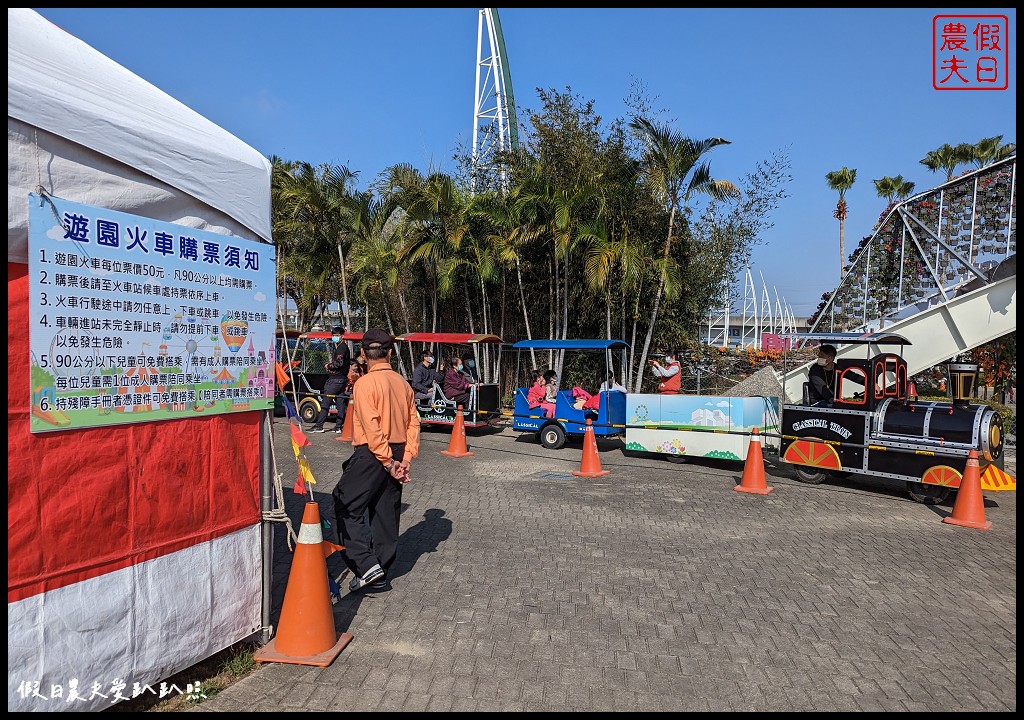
x=377, y=338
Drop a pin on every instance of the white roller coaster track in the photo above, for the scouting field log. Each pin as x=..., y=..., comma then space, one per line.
x=940, y=332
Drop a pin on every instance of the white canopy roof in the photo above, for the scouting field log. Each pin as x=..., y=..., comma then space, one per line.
x=57, y=83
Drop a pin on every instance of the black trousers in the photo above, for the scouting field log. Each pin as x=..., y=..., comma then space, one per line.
x=332, y=394
x=367, y=507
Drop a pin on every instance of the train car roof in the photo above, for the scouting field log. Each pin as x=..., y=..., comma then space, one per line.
x=327, y=336
x=876, y=338
x=449, y=338
x=598, y=344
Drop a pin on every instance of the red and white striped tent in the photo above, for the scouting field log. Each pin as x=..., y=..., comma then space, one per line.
x=127, y=559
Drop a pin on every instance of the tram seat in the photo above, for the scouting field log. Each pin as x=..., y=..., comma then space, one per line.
x=522, y=407
x=439, y=396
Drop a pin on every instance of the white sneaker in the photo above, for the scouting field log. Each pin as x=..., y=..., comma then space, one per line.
x=370, y=576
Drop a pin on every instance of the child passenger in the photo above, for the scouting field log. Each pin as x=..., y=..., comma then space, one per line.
x=536, y=397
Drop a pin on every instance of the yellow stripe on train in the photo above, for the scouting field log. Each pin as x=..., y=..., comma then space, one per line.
x=994, y=480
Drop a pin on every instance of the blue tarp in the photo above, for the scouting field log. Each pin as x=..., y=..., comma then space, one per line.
x=571, y=344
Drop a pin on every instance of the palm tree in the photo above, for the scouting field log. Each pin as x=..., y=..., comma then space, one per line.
x=841, y=181
x=989, y=150
x=892, y=188
x=671, y=167
x=985, y=150
x=316, y=203
x=1005, y=151
x=515, y=232
x=433, y=227
x=948, y=158
x=376, y=251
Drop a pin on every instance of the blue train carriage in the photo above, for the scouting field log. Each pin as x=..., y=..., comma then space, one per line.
x=608, y=420
x=874, y=426
x=708, y=426
x=484, y=406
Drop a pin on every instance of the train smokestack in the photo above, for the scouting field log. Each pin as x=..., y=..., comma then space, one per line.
x=962, y=379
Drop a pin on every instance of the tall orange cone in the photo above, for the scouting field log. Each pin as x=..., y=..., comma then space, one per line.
x=347, y=434
x=457, y=444
x=969, y=506
x=753, y=469
x=305, y=631
x=590, y=463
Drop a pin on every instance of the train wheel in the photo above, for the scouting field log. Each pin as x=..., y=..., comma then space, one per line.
x=928, y=494
x=809, y=475
x=308, y=410
x=675, y=458
x=552, y=437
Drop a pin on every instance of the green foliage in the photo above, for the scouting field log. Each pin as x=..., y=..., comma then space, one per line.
x=240, y=662
x=563, y=234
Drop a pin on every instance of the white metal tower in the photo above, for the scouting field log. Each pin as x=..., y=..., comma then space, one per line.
x=718, y=320
x=767, y=320
x=751, y=331
x=495, y=128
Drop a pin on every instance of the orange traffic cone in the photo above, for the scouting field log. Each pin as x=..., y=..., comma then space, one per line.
x=347, y=434
x=305, y=631
x=753, y=469
x=590, y=463
x=969, y=506
x=457, y=444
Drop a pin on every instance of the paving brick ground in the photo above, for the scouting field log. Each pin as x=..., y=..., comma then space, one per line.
x=520, y=587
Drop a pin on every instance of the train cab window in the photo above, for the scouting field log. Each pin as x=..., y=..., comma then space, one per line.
x=886, y=371
x=851, y=384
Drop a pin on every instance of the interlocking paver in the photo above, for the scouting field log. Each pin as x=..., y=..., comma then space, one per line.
x=520, y=587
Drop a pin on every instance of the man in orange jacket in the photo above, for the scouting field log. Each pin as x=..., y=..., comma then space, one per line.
x=385, y=439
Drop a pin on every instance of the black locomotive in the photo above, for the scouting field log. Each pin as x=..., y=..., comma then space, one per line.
x=876, y=426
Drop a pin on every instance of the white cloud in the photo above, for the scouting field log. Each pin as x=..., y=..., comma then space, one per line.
x=260, y=297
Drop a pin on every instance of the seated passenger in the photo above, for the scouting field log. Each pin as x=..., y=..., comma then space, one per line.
x=550, y=386
x=822, y=377
x=583, y=400
x=537, y=395
x=611, y=384
x=469, y=368
x=456, y=387
x=424, y=377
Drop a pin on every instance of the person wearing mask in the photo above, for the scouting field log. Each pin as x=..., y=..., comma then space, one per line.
x=669, y=373
x=424, y=377
x=469, y=368
x=337, y=368
x=822, y=377
x=611, y=384
x=386, y=439
x=456, y=386
x=536, y=396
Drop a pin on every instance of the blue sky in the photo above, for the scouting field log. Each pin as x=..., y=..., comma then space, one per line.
x=368, y=88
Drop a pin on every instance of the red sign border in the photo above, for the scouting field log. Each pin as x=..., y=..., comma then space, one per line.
x=1006, y=51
